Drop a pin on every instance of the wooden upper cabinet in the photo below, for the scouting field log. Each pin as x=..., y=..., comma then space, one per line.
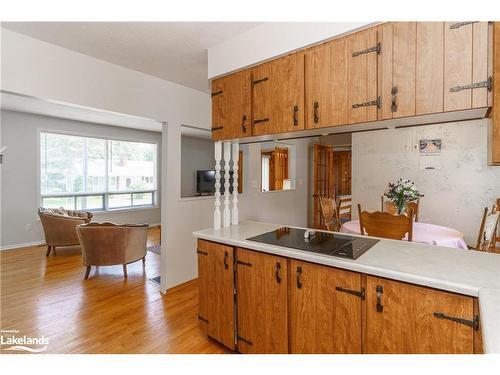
x=262, y=296
x=216, y=291
x=396, y=69
x=467, y=65
x=410, y=319
x=278, y=95
x=429, y=68
x=231, y=106
x=362, y=49
x=325, y=309
x=326, y=85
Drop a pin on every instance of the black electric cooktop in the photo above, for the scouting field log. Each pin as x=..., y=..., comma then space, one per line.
x=332, y=244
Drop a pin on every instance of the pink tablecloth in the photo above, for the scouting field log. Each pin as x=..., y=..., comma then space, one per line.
x=424, y=233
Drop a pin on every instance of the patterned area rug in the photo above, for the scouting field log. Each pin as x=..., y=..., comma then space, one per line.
x=155, y=249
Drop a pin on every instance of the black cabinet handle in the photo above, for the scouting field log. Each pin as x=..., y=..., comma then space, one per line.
x=226, y=266
x=278, y=272
x=216, y=93
x=243, y=121
x=299, y=277
x=380, y=290
x=394, y=104
x=217, y=128
x=295, y=111
x=316, y=112
x=255, y=122
x=201, y=252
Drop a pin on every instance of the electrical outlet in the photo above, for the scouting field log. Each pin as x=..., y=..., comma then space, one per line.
x=28, y=227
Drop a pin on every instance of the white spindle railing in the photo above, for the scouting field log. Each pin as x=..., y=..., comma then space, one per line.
x=217, y=215
x=236, y=158
x=226, y=215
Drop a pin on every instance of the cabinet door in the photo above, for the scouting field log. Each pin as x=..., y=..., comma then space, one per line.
x=261, y=293
x=216, y=291
x=429, y=67
x=363, y=102
x=466, y=63
x=231, y=112
x=405, y=318
x=325, y=315
x=278, y=95
x=326, y=85
x=397, y=69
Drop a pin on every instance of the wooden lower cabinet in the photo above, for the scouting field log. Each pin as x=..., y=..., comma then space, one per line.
x=291, y=306
x=262, y=302
x=216, y=291
x=325, y=309
x=410, y=319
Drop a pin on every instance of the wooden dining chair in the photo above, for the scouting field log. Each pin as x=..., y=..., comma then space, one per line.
x=329, y=213
x=344, y=209
x=497, y=234
x=486, y=239
x=386, y=225
x=390, y=207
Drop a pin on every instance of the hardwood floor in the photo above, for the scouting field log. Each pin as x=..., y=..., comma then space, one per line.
x=106, y=314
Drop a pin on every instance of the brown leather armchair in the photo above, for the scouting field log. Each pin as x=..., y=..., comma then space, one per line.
x=59, y=226
x=109, y=244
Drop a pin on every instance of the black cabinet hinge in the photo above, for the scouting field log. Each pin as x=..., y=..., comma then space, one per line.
x=255, y=122
x=201, y=252
x=216, y=93
x=360, y=294
x=376, y=48
x=239, y=262
x=460, y=24
x=474, y=323
x=257, y=81
x=488, y=84
x=217, y=128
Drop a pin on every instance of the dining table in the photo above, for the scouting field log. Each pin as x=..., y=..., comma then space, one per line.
x=426, y=233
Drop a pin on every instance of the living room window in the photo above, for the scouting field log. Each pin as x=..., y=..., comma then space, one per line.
x=95, y=174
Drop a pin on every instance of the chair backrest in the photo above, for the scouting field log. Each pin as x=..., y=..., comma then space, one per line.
x=329, y=213
x=59, y=225
x=497, y=234
x=390, y=207
x=486, y=238
x=386, y=225
x=105, y=244
x=344, y=208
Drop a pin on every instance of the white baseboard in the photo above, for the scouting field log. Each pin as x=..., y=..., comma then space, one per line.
x=19, y=245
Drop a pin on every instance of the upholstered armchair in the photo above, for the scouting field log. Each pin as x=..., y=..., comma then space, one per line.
x=59, y=226
x=109, y=244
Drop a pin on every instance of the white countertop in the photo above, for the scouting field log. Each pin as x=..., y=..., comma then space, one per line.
x=472, y=273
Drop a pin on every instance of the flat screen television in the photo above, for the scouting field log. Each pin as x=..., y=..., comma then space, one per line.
x=205, y=182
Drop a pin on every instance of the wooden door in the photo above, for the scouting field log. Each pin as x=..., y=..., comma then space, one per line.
x=341, y=170
x=278, y=95
x=323, y=181
x=363, y=102
x=467, y=67
x=231, y=105
x=396, y=67
x=429, y=68
x=410, y=319
x=261, y=293
x=216, y=291
x=325, y=309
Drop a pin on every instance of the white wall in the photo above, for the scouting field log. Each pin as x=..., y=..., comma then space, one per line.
x=20, y=185
x=43, y=70
x=270, y=40
x=455, y=195
x=197, y=154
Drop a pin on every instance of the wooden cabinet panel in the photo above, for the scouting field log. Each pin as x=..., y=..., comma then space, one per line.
x=457, y=65
x=278, y=95
x=216, y=291
x=429, y=67
x=362, y=76
x=262, y=292
x=396, y=69
x=326, y=85
x=322, y=318
x=231, y=106
x=407, y=324
x=319, y=93
x=494, y=136
x=481, y=62
x=403, y=75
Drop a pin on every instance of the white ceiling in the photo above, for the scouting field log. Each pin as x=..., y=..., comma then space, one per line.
x=175, y=51
x=28, y=104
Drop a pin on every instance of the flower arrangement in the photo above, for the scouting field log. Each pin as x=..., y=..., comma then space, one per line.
x=401, y=193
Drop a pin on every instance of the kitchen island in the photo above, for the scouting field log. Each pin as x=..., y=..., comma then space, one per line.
x=396, y=297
